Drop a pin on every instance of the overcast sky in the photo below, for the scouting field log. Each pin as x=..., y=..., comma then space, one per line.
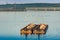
x=29, y=1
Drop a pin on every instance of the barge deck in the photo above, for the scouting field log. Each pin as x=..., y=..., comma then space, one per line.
x=34, y=29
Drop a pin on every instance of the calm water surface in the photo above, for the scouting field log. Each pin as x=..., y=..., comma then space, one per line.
x=12, y=22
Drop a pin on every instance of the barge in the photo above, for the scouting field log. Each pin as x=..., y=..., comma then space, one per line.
x=40, y=29
x=34, y=29
x=28, y=29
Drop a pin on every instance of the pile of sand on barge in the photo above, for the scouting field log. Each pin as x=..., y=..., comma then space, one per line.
x=34, y=29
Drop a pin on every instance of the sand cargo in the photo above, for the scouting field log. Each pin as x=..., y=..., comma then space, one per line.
x=40, y=29
x=28, y=29
x=34, y=29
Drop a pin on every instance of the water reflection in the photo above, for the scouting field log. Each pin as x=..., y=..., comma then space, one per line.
x=26, y=36
x=33, y=37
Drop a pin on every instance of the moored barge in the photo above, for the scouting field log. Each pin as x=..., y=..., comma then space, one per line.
x=28, y=29
x=34, y=29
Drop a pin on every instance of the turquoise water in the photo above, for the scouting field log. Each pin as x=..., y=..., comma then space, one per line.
x=12, y=22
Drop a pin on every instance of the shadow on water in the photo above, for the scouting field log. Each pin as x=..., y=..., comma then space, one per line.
x=33, y=37
x=26, y=37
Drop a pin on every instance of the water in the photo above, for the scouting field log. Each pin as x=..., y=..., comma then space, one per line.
x=12, y=22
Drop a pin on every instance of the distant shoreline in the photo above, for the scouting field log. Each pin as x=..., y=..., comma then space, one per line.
x=31, y=6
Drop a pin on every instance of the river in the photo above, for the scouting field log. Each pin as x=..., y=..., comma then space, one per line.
x=12, y=22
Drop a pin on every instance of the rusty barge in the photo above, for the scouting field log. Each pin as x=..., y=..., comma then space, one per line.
x=34, y=29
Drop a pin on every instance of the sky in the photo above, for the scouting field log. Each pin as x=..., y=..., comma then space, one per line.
x=28, y=1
